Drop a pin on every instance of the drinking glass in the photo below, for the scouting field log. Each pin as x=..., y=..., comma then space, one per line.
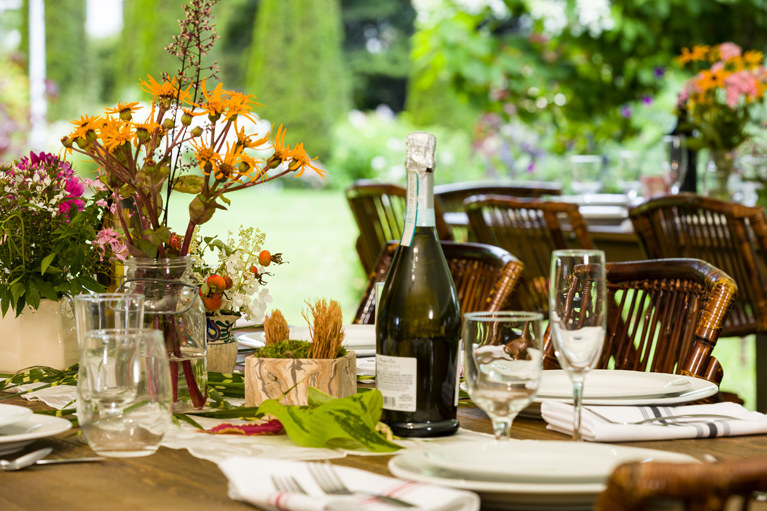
x=99, y=311
x=676, y=161
x=630, y=173
x=586, y=174
x=577, y=316
x=124, y=394
x=502, y=363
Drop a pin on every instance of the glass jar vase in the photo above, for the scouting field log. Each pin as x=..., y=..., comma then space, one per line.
x=173, y=305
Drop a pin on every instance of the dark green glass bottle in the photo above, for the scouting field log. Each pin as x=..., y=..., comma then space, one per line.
x=418, y=326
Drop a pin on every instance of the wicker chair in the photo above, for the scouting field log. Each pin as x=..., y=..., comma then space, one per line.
x=663, y=316
x=639, y=486
x=484, y=276
x=730, y=236
x=379, y=211
x=451, y=197
x=530, y=229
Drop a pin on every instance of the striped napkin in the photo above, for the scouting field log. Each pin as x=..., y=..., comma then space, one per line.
x=734, y=421
x=251, y=480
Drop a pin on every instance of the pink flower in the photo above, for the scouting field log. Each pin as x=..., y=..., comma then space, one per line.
x=110, y=239
x=729, y=50
x=75, y=189
x=739, y=83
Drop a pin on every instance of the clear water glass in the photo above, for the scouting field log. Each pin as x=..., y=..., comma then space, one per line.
x=578, y=316
x=502, y=363
x=124, y=397
x=99, y=311
x=586, y=171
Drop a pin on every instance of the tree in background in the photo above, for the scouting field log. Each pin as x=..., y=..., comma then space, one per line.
x=296, y=68
x=148, y=26
x=68, y=60
x=377, y=50
x=572, y=71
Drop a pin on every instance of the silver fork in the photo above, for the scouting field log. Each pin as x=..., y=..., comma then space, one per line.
x=667, y=421
x=329, y=482
x=287, y=484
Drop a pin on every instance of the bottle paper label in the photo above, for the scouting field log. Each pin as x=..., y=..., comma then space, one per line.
x=396, y=379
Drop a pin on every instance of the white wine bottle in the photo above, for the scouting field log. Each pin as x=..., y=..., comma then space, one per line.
x=418, y=326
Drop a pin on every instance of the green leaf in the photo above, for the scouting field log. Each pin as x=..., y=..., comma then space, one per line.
x=189, y=184
x=346, y=422
x=47, y=260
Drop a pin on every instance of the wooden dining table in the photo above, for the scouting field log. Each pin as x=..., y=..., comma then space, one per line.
x=173, y=479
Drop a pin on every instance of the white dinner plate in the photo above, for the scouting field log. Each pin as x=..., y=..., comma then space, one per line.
x=616, y=387
x=10, y=414
x=358, y=338
x=19, y=434
x=503, y=492
x=534, y=461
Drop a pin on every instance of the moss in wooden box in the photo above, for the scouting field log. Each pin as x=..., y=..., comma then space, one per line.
x=284, y=369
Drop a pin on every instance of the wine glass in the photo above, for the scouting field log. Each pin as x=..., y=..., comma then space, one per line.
x=577, y=315
x=586, y=174
x=502, y=363
x=676, y=161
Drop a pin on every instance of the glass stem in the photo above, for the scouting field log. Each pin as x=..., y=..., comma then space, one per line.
x=502, y=428
x=577, y=401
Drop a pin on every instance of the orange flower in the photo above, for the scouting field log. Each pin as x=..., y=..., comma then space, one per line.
x=84, y=125
x=698, y=52
x=205, y=155
x=301, y=160
x=114, y=133
x=710, y=80
x=165, y=90
x=124, y=110
x=246, y=141
x=753, y=58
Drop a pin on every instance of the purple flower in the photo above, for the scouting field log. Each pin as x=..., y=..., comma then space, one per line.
x=626, y=111
x=659, y=71
x=647, y=99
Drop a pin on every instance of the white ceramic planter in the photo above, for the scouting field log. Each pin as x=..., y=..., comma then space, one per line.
x=45, y=336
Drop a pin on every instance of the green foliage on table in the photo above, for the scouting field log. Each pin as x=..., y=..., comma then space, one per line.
x=289, y=349
x=337, y=423
x=296, y=68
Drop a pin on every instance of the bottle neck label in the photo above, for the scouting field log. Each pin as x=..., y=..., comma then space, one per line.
x=419, y=210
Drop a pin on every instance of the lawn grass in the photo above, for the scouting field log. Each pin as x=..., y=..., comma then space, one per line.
x=315, y=231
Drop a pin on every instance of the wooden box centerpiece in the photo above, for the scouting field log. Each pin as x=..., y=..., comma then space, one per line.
x=284, y=369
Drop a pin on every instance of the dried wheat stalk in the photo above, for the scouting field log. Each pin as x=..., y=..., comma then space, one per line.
x=275, y=327
x=325, y=328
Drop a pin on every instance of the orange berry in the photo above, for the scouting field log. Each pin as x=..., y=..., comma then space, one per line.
x=212, y=302
x=265, y=258
x=216, y=283
x=228, y=281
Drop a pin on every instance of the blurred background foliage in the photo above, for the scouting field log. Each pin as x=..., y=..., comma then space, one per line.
x=512, y=86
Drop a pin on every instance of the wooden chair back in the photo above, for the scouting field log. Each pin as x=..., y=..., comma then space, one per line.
x=531, y=229
x=451, y=196
x=663, y=315
x=729, y=235
x=379, y=212
x=484, y=276
x=639, y=486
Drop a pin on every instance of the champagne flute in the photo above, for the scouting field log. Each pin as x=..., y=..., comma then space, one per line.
x=676, y=163
x=577, y=315
x=502, y=363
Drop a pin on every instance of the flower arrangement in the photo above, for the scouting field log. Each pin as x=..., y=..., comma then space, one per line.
x=719, y=100
x=144, y=158
x=234, y=284
x=51, y=241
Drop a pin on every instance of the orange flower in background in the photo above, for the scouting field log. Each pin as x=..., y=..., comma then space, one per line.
x=114, y=133
x=719, y=100
x=698, y=52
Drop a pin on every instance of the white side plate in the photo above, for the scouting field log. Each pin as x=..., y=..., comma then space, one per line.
x=10, y=414
x=18, y=435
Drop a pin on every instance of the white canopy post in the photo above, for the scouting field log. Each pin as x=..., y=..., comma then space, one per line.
x=38, y=106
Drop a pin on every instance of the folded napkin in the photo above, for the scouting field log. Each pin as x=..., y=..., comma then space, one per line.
x=250, y=480
x=559, y=417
